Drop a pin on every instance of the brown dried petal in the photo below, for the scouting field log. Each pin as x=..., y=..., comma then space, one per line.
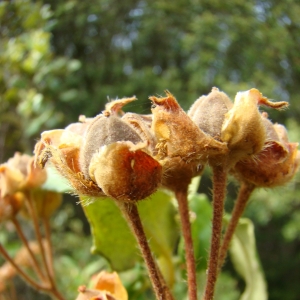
x=91, y=294
x=125, y=172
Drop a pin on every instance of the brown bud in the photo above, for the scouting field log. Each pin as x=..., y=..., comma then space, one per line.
x=124, y=171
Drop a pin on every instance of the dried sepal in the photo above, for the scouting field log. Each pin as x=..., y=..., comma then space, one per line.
x=125, y=171
x=115, y=107
x=142, y=125
x=183, y=149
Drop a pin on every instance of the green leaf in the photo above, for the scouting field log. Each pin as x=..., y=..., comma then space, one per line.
x=111, y=235
x=113, y=239
x=158, y=217
x=244, y=257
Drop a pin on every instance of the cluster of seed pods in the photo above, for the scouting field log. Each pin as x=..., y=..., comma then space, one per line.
x=128, y=156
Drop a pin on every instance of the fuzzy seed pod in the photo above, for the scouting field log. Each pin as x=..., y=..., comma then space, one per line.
x=125, y=172
x=208, y=112
x=104, y=131
x=275, y=165
x=183, y=149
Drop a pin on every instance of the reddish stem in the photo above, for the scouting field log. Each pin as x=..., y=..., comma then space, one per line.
x=182, y=200
x=131, y=214
x=244, y=194
x=219, y=193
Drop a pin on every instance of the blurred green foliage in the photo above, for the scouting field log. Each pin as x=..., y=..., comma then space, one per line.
x=60, y=59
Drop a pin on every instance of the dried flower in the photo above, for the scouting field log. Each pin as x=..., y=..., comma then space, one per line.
x=20, y=173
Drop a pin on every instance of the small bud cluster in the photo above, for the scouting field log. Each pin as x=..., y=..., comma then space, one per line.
x=127, y=156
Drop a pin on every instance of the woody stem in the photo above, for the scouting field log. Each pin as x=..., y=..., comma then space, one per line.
x=131, y=214
x=182, y=200
x=244, y=194
x=219, y=193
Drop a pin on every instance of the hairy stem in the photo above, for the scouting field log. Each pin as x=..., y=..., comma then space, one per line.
x=131, y=214
x=182, y=200
x=219, y=193
x=244, y=194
